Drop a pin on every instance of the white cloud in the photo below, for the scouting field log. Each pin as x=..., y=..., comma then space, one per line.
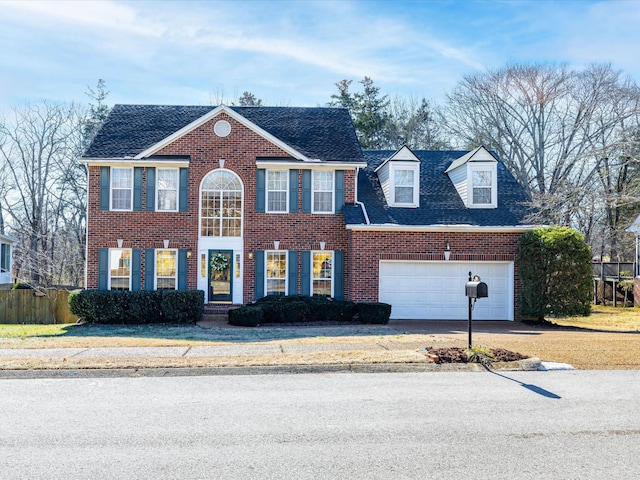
x=91, y=14
x=292, y=52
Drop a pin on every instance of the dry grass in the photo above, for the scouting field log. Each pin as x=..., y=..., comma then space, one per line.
x=606, y=318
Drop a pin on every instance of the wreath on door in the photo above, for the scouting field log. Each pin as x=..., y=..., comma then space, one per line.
x=219, y=262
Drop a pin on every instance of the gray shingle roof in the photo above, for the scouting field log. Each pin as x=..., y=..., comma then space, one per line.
x=440, y=203
x=319, y=133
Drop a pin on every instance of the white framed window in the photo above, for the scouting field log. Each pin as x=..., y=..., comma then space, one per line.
x=5, y=258
x=481, y=180
x=166, y=269
x=167, y=183
x=277, y=191
x=275, y=272
x=322, y=273
x=119, y=269
x=221, y=205
x=322, y=191
x=482, y=191
x=121, y=188
x=404, y=186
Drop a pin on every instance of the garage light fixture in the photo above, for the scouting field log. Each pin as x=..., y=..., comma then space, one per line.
x=447, y=252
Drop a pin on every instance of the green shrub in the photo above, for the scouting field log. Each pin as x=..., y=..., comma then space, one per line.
x=555, y=272
x=374, y=312
x=22, y=286
x=247, y=316
x=340, y=311
x=182, y=306
x=142, y=306
x=293, y=309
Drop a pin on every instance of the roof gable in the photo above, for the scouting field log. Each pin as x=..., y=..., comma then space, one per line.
x=480, y=154
x=402, y=154
x=209, y=116
x=308, y=134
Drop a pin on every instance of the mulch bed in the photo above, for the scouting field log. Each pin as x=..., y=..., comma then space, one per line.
x=457, y=355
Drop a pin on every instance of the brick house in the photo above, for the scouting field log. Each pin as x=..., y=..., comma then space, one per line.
x=243, y=202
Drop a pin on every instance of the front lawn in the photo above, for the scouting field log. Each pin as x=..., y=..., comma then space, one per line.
x=616, y=319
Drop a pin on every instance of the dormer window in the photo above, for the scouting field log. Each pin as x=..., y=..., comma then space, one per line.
x=399, y=177
x=475, y=176
x=482, y=192
x=404, y=186
x=481, y=184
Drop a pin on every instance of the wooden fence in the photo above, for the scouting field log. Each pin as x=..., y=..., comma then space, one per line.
x=25, y=306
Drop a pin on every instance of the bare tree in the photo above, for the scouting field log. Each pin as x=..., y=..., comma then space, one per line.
x=548, y=123
x=36, y=147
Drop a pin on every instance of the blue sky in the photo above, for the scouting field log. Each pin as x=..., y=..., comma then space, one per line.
x=293, y=52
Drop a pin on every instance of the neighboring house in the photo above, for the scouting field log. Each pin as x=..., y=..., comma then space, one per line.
x=243, y=202
x=6, y=257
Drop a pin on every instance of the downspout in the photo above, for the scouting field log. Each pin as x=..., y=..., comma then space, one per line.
x=86, y=233
x=364, y=209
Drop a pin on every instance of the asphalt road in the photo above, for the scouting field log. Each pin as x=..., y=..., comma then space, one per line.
x=514, y=425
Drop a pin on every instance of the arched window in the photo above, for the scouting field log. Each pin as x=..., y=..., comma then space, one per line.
x=221, y=205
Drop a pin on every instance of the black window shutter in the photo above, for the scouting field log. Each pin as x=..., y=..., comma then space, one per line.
x=135, y=269
x=292, y=265
x=103, y=268
x=149, y=268
x=137, y=188
x=306, y=191
x=182, y=269
x=183, y=193
x=293, y=191
x=104, y=188
x=259, y=274
x=260, y=190
x=339, y=191
x=151, y=189
x=305, y=273
x=338, y=275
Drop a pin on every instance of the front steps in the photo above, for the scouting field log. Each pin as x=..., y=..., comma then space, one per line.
x=217, y=311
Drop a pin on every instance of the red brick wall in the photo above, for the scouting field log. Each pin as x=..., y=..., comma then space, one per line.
x=369, y=247
x=239, y=150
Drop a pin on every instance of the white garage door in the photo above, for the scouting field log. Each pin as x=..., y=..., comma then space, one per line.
x=436, y=290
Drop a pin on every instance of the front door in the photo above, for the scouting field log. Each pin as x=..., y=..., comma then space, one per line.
x=220, y=275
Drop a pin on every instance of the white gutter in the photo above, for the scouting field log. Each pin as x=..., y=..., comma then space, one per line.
x=441, y=228
x=8, y=239
x=308, y=164
x=86, y=232
x=130, y=161
x=364, y=209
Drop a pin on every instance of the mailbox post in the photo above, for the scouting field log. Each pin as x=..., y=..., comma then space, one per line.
x=474, y=290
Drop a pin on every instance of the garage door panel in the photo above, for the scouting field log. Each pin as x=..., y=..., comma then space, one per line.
x=435, y=290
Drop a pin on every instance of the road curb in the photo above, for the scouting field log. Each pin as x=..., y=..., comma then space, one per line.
x=530, y=364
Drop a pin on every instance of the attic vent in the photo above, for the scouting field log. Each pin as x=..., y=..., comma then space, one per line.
x=222, y=128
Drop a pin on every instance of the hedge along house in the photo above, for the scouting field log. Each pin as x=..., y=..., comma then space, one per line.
x=243, y=202
x=6, y=257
